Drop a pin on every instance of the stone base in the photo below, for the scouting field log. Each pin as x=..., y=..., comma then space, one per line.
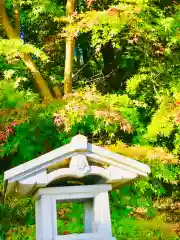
x=97, y=219
x=85, y=236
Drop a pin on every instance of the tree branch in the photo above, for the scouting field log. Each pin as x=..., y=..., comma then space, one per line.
x=26, y=58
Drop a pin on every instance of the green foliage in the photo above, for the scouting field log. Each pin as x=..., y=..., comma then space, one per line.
x=139, y=116
x=127, y=228
x=104, y=25
x=11, y=97
x=110, y=112
x=13, y=47
x=38, y=134
x=70, y=218
x=87, y=112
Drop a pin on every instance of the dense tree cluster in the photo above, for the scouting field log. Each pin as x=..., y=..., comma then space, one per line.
x=109, y=69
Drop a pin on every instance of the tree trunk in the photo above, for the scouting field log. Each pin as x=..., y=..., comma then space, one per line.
x=68, y=66
x=17, y=17
x=70, y=43
x=111, y=68
x=26, y=58
x=40, y=83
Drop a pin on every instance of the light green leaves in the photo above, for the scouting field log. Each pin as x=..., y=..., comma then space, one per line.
x=134, y=82
x=14, y=46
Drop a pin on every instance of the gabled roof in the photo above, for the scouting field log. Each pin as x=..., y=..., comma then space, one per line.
x=72, y=160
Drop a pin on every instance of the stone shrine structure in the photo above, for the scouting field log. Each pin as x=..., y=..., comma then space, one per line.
x=48, y=179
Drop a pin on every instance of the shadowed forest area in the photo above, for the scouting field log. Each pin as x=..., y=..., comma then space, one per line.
x=107, y=69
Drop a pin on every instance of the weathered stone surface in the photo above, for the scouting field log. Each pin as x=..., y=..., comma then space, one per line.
x=80, y=155
x=97, y=220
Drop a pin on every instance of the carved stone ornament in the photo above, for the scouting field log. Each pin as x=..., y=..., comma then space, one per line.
x=79, y=164
x=27, y=178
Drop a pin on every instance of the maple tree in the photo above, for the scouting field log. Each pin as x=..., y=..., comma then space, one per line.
x=110, y=70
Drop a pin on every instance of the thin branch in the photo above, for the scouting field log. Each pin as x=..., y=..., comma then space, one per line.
x=81, y=69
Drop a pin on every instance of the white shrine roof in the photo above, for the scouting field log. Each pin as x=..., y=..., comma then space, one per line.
x=77, y=159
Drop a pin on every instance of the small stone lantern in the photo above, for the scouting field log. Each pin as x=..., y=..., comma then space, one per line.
x=47, y=179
